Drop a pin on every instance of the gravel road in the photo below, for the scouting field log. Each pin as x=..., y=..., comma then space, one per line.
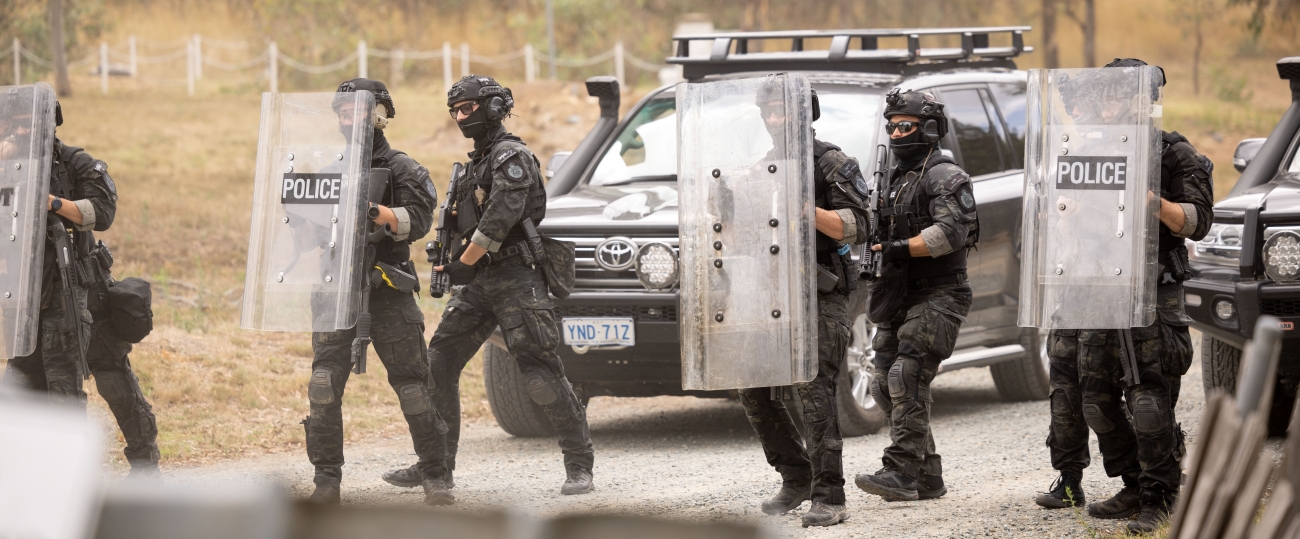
x=698, y=459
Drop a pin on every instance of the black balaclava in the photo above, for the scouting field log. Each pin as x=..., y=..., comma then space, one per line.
x=911, y=148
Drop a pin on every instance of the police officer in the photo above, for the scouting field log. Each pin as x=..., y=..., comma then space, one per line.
x=1145, y=451
x=84, y=197
x=931, y=218
x=501, y=195
x=817, y=472
x=397, y=325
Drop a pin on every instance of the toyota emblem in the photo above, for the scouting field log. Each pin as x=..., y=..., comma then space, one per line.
x=616, y=254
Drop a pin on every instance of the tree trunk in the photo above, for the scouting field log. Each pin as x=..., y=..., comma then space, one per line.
x=61, y=85
x=1090, y=33
x=1196, y=56
x=1051, y=57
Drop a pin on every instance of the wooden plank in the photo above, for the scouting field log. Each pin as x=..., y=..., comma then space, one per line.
x=1217, y=455
x=1275, y=515
x=1196, y=456
x=1248, y=445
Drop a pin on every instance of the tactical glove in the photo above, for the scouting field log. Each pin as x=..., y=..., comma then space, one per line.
x=895, y=251
x=458, y=272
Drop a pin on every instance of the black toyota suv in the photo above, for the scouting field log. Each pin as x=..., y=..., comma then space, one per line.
x=616, y=194
x=1249, y=263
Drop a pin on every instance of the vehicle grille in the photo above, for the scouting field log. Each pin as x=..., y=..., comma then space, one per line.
x=1281, y=307
x=640, y=314
x=590, y=276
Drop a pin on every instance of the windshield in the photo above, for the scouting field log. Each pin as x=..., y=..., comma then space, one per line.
x=646, y=149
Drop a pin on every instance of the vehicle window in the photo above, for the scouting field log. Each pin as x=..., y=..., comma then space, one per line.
x=1295, y=163
x=977, y=143
x=1011, y=99
x=646, y=149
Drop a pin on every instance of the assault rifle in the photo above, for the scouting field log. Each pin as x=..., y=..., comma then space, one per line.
x=370, y=276
x=64, y=252
x=447, y=242
x=872, y=260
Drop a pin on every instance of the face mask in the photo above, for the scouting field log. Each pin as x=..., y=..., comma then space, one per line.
x=474, y=124
x=910, y=147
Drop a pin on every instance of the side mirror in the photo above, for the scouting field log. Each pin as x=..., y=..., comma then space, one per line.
x=555, y=162
x=1246, y=151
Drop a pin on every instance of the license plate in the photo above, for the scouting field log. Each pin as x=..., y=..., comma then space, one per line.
x=599, y=332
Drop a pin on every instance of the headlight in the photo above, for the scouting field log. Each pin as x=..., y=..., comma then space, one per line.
x=656, y=266
x=1282, y=256
x=1222, y=245
x=1225, y=310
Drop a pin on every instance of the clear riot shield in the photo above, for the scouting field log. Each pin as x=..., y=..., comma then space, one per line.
x=306, y=242
x=748, y=286
x=26, y=146
x=1091, y=199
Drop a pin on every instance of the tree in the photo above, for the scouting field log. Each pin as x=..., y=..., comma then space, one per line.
x=1192, y=14
x=1051, y=54
x=1088, y=24
x=1284, y=10
x=54, y=11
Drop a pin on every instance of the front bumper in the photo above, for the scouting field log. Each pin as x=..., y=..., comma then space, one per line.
x=1252, y=299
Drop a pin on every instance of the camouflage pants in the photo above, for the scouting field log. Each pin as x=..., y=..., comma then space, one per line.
x=1149, y=445
x=820, y=464
x=909, y=350
x=54, y=367
x=397, y=328
x=107, y=355
x=514, y=296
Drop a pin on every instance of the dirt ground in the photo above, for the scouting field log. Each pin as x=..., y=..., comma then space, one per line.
x=697, y=459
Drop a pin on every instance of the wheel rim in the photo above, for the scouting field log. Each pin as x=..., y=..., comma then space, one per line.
x=858, y=362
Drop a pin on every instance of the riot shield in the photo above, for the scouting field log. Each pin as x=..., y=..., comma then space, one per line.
x=748, y=290
x=306, y=242
x=26, y=148
x=1091, y=198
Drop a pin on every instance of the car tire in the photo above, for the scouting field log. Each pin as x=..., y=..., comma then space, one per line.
x=1220, y=361
x=507, y=396
x=1025, y=378
x=859, y=414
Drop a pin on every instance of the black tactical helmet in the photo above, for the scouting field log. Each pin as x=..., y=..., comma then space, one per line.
x=773, y=91
x=58, y=113
x=1098, y=86
x=370, y=85
x=491, y=95
x=922, y=105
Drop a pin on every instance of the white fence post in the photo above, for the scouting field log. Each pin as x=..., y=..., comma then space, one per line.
x=362, y=60
x=464, y=59
x=103, y=67
x=198, y=56
x=189, y=68
x=273, y=68
x=530, y=65
x=618, y=64
x=135, y=65
x=446, y=64
x=18, y=63
x=397, y=62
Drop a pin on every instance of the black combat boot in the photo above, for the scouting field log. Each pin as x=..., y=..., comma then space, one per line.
x=579, y=481
x=1120, y=506
x=888, y=484
x=144, y=469
x=327, y=490
x=437, y=492
x=930, y=487
x=1065, y=492
x=791, y=496
x=1154, y=512
x=825, y=514
x=411, y=477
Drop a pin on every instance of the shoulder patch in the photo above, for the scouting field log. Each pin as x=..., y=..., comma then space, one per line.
x=501, y=157
x=965, y=198
x=849, y=169
x=515, y=171
x=422, y=175
x=860, y=185
x=101, y=166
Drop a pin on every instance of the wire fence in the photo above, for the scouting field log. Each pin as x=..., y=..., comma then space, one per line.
x=125, y=60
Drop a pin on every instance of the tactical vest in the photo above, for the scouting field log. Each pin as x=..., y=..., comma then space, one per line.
x=909, y=214
x=478, y=178
x=833, y=166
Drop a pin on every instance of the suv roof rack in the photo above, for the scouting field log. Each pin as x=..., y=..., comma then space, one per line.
x=974, y=52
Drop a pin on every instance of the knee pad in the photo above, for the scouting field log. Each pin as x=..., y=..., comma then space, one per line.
x=413, y=398
x=1148, y=414
x=1096, y=419
x=321, y=388
x=540, y=391
x=897, y=379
